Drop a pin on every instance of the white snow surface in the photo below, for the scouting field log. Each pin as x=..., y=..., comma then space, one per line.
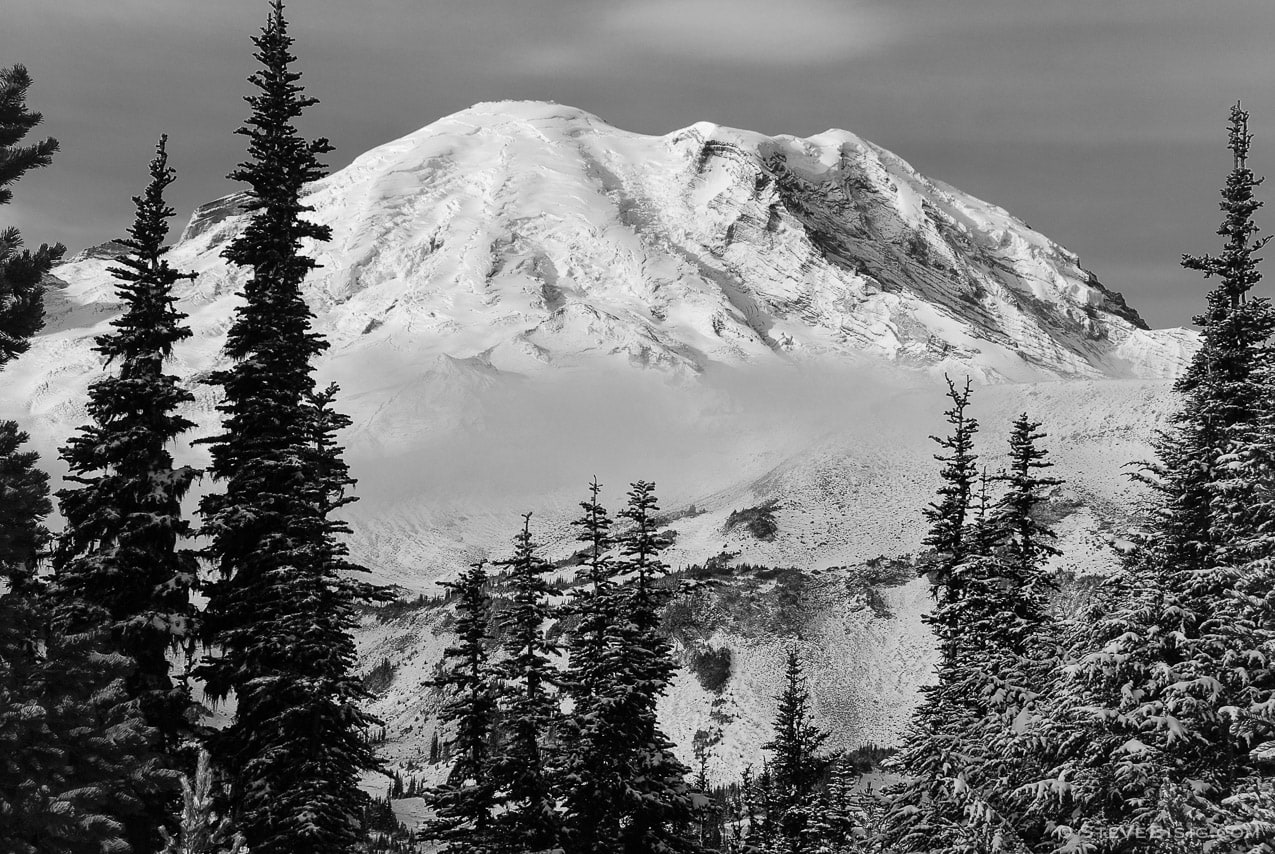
x=520, y=297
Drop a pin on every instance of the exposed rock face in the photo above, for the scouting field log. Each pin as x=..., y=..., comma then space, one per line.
x=209, y=215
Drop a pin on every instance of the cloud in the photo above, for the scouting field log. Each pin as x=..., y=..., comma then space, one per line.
x=756, y=32
x=536, y=442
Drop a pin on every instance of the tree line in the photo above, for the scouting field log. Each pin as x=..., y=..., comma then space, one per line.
x=1145, y=723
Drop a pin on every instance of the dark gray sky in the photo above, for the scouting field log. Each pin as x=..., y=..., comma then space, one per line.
x=1099, y=122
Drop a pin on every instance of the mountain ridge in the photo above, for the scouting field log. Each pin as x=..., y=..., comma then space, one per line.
x=707, y=244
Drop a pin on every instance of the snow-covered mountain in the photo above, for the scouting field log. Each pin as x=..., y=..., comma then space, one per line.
x=525, y=234
x=520, y=296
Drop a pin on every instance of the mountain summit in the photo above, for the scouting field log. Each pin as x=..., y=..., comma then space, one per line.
x=528, y=234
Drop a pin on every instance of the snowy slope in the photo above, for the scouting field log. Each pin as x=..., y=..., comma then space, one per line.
x=846, y=497
x=520, y=296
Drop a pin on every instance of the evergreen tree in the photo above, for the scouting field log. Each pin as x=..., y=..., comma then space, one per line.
x=1022, y=541
x=623, y=790
x=593, y=777
x=744, y=820
x=101, y=796
x=949, y=516
x=968, y=750
x=1163, y=716
x=796, y=765
x=795, y=745
x=1235, y=327
x=711, y=811
x=124, y=520
x=280, y=614
x=21, y=272
x=763, y=827
x=72, y=745
x=23, y=487
x=32, y=763
x=462, y=805
x=841, y=821
x=520, y=770
x=658, y=804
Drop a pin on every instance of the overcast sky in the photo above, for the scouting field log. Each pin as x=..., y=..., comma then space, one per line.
x=1099, y=122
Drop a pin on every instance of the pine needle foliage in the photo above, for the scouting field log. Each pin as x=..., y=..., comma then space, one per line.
x=1162, y=718
x=201, y=829
x=281, y=610
x=796, y=763
x=463, y=803
x=521, y=770
x=74, y=760
x=21, y=271
x=124, y=521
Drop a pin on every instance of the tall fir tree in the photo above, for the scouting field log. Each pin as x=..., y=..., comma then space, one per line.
x=32, y=763
x=968, y=753
x=796, y=762
x=21, y=271
x=281, y=611
x=1025, y=543
x=115, y=779
x=593, y=777
x=950, y=515
x=658, y=804
x=1161, y=718
x=797, y=742
x=30, y=760
x=23, y=487
x=463, y=803
x=124, y=520
x=72, y=745
x=522, y=769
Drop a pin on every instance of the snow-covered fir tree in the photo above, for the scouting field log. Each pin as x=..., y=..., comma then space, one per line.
x=112, y=776
x=967, y=753
x=839, y=821
x=463, y=803
x=1024, y=544
x=796, y=765
x=280, y=612
x=949, y=516
x=33, y=766
x=657, y=804
x=1162, y=718
x=21, y=271
x=73, y=747
x=522, y=766
x=124, y=524
x=593, y=774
